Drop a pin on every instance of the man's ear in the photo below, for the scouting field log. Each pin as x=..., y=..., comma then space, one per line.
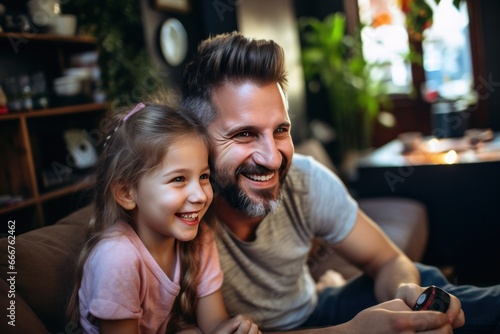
x=123, y=195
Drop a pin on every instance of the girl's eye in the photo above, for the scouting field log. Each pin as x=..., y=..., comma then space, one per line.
x=178, y=179
x=205, y=176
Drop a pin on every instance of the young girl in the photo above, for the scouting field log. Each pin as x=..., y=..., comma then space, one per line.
x=150, y=265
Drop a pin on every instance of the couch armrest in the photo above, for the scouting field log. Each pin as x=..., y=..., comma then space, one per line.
x=25, y=320
x=45, y=266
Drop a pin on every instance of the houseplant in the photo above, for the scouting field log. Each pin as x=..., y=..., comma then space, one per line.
x=335, y=60
x=419, y=15
x=123, y=59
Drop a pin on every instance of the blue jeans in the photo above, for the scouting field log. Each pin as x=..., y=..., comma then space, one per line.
x=481, y=305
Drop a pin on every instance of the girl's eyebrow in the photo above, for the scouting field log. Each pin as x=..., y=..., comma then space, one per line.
x=183, y=170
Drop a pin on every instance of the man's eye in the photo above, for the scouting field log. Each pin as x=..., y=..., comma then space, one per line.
x=243, y=134
x=282, y=130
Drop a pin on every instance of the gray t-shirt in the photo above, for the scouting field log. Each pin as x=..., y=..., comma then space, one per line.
x=268, y=278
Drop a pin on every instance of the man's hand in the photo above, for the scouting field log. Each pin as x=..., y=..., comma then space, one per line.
x=391, y=317
x=395, y=316
x=328, y=279
x=410, y=292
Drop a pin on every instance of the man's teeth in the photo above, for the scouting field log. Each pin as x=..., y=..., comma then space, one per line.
x=190, y=216
x=258, y=177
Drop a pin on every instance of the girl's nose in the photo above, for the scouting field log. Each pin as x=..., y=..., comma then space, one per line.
x=198, y=193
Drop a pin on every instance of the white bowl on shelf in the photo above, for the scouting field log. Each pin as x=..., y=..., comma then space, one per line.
x=65, y=24
x=67, y=86
x=82, y=73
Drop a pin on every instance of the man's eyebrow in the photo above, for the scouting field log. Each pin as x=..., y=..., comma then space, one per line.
x=285, y=124
x=252, y=128
x=237, y=129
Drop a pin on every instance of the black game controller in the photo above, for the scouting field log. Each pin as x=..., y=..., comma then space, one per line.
x=433, y=299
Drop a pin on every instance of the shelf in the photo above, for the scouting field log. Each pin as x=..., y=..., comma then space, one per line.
x=18, y=206
x=84, y=39
x=90, y=107
x=31, y=141
x=81, y=185
x=67, y=190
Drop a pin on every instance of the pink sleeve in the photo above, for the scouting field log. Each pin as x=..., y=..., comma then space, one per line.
x=210, y=275
x=112, y=282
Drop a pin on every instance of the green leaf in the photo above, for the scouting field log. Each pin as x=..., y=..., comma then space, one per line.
x=337, y=60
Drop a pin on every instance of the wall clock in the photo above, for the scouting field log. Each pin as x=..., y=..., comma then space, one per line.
x=173, y=41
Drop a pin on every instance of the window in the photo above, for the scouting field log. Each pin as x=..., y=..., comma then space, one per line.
x=446, y=52
x=445, y=45
x=385, y=43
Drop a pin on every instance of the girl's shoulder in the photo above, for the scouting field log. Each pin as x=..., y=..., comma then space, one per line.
x=117, y=240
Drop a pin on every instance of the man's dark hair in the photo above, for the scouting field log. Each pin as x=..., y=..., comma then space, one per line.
x=233, y=58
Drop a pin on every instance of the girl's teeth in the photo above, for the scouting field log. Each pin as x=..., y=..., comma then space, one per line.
x=190, y=216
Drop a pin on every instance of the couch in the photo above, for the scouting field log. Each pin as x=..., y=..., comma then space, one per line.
x=45, y=258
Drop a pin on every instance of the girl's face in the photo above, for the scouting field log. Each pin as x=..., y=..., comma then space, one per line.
x=172, y=199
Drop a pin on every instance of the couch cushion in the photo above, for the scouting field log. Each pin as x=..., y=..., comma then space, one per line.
x=45, y=266
x=404, y=221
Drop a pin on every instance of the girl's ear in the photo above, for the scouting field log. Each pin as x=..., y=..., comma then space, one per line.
x=123, y=195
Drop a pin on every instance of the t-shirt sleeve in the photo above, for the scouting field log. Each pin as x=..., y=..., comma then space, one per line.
x=334, y=210
x=210, y=274
x=111, y=283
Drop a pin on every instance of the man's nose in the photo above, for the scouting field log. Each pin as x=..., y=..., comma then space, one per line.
x=267, y=154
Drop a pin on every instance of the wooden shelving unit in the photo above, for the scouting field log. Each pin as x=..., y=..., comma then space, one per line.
x=31, y=140
x=49, y=38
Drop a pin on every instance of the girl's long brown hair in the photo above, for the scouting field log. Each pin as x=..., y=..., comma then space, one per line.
x=134, y=148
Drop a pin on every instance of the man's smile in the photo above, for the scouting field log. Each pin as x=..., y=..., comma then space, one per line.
x=260, y=177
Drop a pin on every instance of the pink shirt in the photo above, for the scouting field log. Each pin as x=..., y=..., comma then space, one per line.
x=121, y=280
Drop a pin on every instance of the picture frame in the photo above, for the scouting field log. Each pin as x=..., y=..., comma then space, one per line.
x=179, y=6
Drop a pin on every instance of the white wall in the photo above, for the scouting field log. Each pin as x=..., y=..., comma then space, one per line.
x=275, y=19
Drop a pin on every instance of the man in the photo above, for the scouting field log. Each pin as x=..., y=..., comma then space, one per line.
x=271, y=203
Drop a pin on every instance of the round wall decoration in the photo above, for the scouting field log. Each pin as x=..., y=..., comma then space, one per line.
x=173, y=41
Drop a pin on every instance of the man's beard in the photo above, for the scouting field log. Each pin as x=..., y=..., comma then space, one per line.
x=258, y=205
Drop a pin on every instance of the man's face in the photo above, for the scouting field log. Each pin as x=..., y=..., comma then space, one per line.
x=252, y=146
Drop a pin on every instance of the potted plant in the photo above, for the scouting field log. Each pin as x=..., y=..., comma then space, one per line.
x=123, y=59
x=335, y=60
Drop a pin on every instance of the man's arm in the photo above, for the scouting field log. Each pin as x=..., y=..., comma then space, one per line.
x=396, y=285
x=368, y=248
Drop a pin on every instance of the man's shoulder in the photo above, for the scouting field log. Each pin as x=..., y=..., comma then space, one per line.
x=301, y=171
x=306, y=172
x=305, y=165
x=302, y=163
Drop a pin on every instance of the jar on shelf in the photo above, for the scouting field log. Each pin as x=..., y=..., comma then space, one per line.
x=25, y=92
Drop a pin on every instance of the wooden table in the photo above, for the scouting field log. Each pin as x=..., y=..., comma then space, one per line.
x=462, y=199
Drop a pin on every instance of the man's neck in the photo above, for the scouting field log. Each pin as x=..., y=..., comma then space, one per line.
x=242, y=226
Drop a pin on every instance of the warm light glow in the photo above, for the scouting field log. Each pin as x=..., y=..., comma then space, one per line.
x=433, y=144
x=451, y=157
